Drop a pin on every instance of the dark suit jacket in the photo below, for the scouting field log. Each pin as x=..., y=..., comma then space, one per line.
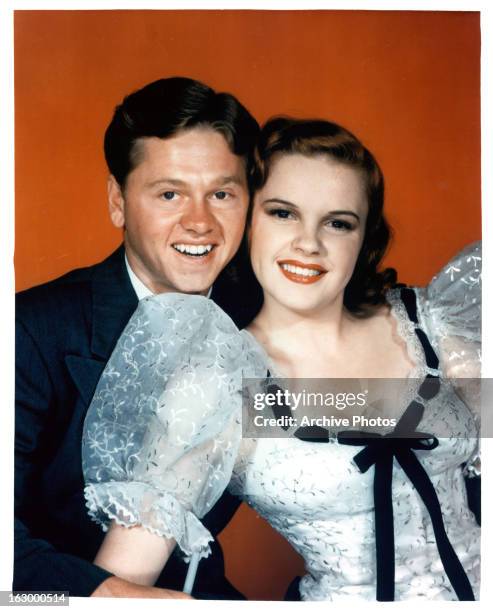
x=65, y=332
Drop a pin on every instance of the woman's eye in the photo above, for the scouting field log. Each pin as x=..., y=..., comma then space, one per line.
x=281, y=213
x=169, y=195
x=341, y=225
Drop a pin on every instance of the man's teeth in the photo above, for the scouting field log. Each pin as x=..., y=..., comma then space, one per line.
x=193, y=249
x=300, y=271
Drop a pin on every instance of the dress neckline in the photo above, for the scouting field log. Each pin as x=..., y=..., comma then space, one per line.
x=405, y=330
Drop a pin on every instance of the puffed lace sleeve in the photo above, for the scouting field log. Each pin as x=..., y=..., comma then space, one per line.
x=451, y=314
x=163, y=429
x=450, y=310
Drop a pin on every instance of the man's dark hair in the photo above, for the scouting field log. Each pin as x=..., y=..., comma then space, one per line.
x=163, y=108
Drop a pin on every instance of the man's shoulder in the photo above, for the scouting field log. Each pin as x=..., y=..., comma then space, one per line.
x=71, y=286
x=70, y=282
x=70, y=291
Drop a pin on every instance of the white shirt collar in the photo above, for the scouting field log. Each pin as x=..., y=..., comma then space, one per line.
x=140, y=289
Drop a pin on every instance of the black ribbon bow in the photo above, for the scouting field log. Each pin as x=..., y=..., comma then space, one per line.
x=380, y=451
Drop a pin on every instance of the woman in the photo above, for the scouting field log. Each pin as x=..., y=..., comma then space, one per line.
x=163, y=434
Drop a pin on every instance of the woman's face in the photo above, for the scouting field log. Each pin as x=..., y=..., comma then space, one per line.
x=307, y=230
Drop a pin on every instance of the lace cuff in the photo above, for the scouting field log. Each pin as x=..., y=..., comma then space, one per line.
x=137, y=503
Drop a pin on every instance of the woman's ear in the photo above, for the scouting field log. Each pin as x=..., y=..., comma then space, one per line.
x=116, y=202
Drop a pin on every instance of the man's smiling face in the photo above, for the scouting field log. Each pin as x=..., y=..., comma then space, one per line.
x=183, y=209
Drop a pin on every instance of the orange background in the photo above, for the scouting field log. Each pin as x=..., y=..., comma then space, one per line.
x=407, y=83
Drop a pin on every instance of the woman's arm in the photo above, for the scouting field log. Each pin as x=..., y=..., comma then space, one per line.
x=134, y=553
x=118, y=587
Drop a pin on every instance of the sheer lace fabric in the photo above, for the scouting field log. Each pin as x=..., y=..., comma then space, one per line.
x=163, y=440
x=163, y=430
x=450, y=311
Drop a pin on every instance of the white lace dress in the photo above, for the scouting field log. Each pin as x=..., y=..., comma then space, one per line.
x=162, y=441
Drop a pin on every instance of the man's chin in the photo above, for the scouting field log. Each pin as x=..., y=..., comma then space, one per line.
x=204, y=292
x=194, y=288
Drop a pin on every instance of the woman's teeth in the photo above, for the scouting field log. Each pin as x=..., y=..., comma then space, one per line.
x=300, y=271
x=193, y=249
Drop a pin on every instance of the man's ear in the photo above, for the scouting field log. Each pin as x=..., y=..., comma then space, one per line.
x=116, y=202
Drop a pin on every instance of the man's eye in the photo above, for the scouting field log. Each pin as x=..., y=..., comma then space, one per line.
x=168, y=195
x=221, y=195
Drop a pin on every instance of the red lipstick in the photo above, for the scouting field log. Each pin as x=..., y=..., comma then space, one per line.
x=296, y=276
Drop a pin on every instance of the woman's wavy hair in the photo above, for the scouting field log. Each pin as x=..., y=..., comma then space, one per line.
x=312, y=137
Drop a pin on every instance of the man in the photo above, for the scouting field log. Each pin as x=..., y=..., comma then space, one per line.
x=178, y=154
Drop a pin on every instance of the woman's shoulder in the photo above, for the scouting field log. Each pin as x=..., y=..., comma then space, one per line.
x=455, y=285
x=458, y=283
x=447, y=310
x=174, y=328
x=452, y=299
x=184, y=304
x=256, y=352
x=184, y=315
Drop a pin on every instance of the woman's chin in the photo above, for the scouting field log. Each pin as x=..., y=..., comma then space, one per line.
x=305, y=307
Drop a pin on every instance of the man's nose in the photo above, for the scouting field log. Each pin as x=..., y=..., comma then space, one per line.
x=198, y=217
x=307, y=240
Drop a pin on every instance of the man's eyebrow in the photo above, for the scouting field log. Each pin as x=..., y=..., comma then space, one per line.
x=234, y=178
x=220, y=180
x=167, y=181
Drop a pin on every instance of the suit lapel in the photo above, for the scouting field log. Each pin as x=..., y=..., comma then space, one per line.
x=85, y=373
x=113, y=303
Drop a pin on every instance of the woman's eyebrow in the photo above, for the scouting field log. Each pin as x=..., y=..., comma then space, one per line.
x=330, y=213
x=344, y=212
x=279, y=201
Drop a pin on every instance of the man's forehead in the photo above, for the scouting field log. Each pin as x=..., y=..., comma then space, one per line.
x=187, y=138
x=205, y=151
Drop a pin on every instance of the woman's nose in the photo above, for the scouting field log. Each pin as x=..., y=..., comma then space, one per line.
x=307, y=241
